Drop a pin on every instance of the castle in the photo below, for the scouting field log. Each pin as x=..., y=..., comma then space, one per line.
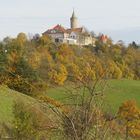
x=74, y=35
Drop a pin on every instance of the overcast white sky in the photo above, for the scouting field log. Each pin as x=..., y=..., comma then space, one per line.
x=120, y=19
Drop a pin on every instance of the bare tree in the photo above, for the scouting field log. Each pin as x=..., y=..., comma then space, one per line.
x=83, y=118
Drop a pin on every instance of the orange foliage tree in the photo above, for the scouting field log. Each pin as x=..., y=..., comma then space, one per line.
x=129, y=115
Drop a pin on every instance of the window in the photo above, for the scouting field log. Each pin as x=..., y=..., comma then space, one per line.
x=53, y=31
x=56, y=40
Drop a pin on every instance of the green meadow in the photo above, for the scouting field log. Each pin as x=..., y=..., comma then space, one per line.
x=117, y=91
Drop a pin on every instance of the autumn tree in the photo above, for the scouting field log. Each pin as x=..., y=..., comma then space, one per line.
x=57, y=74
x=21, y=40
x=129, y=115
x=45, y=40
x=3, y=61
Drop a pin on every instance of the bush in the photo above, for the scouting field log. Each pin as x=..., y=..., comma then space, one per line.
x=24, y=123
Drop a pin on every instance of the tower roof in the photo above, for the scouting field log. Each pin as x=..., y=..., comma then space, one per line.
x=73, y=14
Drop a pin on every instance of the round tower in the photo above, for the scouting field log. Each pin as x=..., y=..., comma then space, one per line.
x=74, y=21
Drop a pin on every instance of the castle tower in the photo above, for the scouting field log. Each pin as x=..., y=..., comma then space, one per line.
x=74, y=21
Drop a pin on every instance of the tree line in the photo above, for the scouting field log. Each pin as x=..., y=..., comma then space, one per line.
x=39, y=62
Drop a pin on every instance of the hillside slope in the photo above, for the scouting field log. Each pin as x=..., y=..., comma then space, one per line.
x=7, y=98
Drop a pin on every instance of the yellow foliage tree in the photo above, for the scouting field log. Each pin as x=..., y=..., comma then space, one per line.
x=58, y=74
x=129, y=114
x=88, y=73
x=21, y=39
x=74, y=72
x=45, y=40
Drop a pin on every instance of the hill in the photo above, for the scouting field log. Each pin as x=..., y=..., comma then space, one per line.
x=7, y=98
x=41, y=114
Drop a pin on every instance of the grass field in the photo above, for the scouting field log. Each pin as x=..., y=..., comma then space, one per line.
x=6, y=101
x=122, y=90
x=117, y=92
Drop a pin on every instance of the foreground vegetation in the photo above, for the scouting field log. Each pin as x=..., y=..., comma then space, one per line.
x=116, y=94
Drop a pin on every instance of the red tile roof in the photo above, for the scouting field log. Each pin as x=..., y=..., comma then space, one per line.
x=103, y=38
x=78, y=30
x=59, y=28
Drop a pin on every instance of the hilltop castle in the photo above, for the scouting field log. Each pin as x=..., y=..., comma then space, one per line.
x=74, y=35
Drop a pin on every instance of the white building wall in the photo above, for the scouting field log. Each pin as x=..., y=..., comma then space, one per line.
x=57, y=35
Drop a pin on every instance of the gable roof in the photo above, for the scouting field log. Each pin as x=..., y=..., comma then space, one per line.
x=58, y=28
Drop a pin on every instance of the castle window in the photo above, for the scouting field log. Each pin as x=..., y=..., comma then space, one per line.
x=56, y=40
x=53, y=31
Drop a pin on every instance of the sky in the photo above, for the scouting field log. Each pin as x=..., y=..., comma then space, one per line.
x=119, y=19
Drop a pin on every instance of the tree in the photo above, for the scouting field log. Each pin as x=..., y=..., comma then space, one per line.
x=45, y=40
x=25, y=70
x=3, y=61
x=22, y=78
x=57, y=74
x=74, y=72
x=83, y=117
x=129, y=115
x=21, y=39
